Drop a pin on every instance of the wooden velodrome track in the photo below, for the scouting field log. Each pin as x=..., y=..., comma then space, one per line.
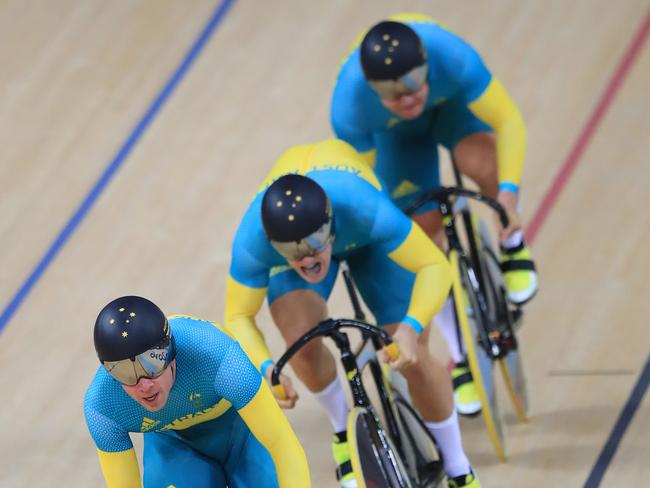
x=82, y=95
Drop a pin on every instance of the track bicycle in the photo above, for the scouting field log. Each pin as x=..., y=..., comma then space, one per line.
x=404, y=453
x=488, y=321
x=420, y=448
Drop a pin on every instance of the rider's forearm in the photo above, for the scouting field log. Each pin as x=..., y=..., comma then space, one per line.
x=420, y=255
x=272, y=429
x=242, y=304
x=120, y=469
x=496, y=108
x=431, y=289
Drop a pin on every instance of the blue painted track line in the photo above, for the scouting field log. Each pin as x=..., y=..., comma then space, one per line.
x=136, y=134
x=623, y=422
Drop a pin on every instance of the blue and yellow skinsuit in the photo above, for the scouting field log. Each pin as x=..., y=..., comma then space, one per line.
x=400, y=273
x=464, y=98
x=220, y=424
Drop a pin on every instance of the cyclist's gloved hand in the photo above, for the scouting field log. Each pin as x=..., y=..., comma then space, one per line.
x=407, y=341
x=285, y=396
x=508, y=200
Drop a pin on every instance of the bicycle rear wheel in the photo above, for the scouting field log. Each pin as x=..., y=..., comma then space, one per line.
x=511, y=364
x=419, y=449
x=375, y=461
x=464, y=292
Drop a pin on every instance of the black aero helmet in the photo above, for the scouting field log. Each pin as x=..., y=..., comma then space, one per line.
x=393, y=59
x=297, y=216
x=133, y=339
x=389, y=50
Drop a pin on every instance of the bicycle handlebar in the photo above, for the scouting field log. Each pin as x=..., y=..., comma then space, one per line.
x=326, y=328
x=443, y=193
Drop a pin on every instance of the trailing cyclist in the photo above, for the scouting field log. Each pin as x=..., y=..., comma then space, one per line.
x=207, y=416
x=409, y=85
x=319, y=205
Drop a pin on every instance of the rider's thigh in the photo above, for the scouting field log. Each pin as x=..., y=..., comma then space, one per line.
x=296, y=305
x=431, y=224
x=476, y=157
x=298, y=311
x=253, y=466
x=168, y=461
x=295, y=313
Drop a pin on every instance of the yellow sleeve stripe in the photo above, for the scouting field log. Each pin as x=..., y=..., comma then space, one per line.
x=120, y=469
x=416, y=251
x=271, y=428
x=406, y=17
x=496, y=108
x=242, y=305
x=242, y=300
x=323, y=155
x=432, y=274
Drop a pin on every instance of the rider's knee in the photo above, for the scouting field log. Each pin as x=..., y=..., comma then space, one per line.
x=311, y=354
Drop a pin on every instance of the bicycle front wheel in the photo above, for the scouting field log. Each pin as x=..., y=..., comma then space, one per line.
x=375, y=461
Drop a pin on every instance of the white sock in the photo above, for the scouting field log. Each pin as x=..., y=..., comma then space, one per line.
x=446, y=321
x=333, y=400
x=514, y=240
x=447, y=435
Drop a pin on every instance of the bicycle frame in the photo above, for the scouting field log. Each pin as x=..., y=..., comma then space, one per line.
x=443, y=196
x=390, y=394
x=369, y=357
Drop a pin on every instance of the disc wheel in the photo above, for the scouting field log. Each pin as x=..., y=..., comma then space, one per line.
x=375, y=461
x=419, y=449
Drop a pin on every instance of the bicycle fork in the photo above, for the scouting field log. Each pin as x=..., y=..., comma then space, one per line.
x=359, y=395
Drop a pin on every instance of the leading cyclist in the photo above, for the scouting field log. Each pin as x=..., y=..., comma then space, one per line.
x=207, y=416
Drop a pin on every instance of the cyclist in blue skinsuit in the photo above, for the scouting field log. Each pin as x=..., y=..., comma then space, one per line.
x=319, y=205
x=208, y=418
x=409, y=85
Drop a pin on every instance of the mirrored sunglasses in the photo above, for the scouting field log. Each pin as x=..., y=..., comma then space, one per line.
x=311, y=245
x=150, y=364
x=406, y=84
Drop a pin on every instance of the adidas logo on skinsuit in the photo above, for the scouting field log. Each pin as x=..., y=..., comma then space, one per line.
x=406, y=187
x=148, y=424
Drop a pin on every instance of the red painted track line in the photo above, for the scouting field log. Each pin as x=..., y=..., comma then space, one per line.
x=588, y=131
